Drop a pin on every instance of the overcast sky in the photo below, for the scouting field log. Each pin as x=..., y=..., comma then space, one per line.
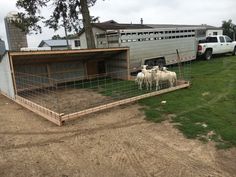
x=211, y=12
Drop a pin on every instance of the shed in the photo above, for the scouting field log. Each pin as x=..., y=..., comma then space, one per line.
x=63, y=85
x=24, y=72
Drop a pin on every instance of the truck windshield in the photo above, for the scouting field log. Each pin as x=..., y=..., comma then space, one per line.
x=211, y=40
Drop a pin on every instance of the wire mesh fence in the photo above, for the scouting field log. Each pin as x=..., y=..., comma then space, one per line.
x=66, y=95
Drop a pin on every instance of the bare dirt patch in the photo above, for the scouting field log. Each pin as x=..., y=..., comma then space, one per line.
x=68, y=100
x=117, y=142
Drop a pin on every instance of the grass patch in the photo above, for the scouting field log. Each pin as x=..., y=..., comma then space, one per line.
x=154, y=115
x=211, y=100
x=115, y=88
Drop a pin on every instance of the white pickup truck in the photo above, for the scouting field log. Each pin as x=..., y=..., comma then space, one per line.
x=218, y=44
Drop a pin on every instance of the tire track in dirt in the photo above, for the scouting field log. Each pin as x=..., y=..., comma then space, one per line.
x=136, y=163
x=68, y=131
x=77, y=133
x=189, y=165
x=127, y=152
x=172, y=155
x=124, y=158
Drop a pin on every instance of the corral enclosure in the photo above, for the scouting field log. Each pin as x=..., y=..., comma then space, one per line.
x=62, y=85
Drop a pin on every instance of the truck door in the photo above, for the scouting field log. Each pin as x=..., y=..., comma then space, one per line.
x=223, y=45
x=214, y=43
x=229, y=44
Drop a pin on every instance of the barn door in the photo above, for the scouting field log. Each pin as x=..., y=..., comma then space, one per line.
x=101, y=67
x=92, y=68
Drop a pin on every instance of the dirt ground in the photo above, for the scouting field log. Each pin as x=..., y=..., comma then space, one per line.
x=114, y=143
x=69, y=100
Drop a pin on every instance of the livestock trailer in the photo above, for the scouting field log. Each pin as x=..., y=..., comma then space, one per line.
x=153, y=46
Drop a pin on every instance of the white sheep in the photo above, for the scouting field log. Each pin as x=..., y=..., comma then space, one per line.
x=162, y=76
x=140, y=79
x=174, y=76
x=147, y=77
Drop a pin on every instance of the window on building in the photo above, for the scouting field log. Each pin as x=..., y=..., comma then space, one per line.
x=215, y=33
x=77, y=43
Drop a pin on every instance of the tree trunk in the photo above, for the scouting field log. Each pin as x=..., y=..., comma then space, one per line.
x=87, y=24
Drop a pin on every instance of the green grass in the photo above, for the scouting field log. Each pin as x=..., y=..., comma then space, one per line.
x=114, y=88
x=211, y=101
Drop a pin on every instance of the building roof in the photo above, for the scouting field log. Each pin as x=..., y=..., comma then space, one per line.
x=113, y=25
x=178, y=26
x=53, y=43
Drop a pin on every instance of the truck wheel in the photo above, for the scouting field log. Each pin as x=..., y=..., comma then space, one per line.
x=234, y=51
x=208, y=54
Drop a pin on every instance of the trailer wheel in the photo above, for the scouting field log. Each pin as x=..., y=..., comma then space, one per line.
x=208, y=54
x=234, y=51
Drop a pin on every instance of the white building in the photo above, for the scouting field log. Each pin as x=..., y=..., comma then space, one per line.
x=2, y=47
x=60, y=44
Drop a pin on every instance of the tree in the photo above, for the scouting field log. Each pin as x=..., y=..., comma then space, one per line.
x=65, y=13
x=229, y=28
x=69, y=36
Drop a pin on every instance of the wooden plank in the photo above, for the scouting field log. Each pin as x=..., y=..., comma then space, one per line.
x=128, y=64
x=5, y=94
x=49, y=52
x=49, y=74
x=40, y=110
x=13, y=74
x=125, y=101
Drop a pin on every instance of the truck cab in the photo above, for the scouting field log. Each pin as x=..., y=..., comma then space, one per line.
x=218, y=44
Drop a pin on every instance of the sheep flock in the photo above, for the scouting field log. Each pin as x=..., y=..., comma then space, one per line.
x=154, y=77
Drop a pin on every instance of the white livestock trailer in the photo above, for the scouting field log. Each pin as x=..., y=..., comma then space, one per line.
x=153, y=46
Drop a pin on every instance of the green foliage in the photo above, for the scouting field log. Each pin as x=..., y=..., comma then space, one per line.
x=65, y=13
x=229, y=28
x=208, y=106
x=70, y=36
